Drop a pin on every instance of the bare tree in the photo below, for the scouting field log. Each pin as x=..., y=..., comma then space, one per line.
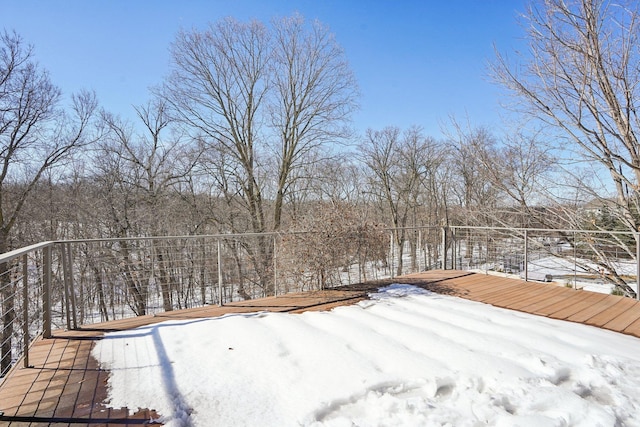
x=474, y=189
x=400, y=167
x=217, y=88
x=263, y=101
x=146, y=169
x=340, y=179
x=36, y=135
x=314, y=94
x=582, y=77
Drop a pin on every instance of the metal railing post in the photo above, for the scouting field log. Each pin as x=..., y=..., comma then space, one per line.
x=419, y=252
x=444, y=248
x=74, y=313
x=392, y=244
x=526, y=255
x=425, y=251
x=25, y=310
x=454, y=250
x=219, y=273
x=486, y=261
x=359, y=258
x=637, y=236
x=65, y=273
x=575, y=261
x=46, y=292
x=275, y=267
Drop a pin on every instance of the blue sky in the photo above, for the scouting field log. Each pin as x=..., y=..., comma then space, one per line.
x=416, y=62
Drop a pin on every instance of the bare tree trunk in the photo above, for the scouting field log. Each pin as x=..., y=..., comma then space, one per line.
x=97, y=277
x=139, y=304
x=163, y=278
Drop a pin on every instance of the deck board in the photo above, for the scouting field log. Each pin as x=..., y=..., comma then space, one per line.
x=633, y=328
x=498, y=295
x=65, y=384
x=610, y=313
x=565, y=301
x=522, y=299
x=591, y=299
x=527, y=296
x=536, y=303
x=535, y=298
x=626, y=318
x=587, y=313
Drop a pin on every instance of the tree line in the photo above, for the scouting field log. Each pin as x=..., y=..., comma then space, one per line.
x=250, y=133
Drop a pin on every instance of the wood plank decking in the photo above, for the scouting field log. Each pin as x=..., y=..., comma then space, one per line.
x=65, y=386
x=611, y=312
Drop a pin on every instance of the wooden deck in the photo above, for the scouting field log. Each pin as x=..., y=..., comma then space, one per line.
x=611, y=312
x=65, y=386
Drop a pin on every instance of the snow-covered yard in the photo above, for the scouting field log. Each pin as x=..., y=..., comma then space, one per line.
x=406, y=357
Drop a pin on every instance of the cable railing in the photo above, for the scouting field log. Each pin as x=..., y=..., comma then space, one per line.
x=582, y=259
x=69, y=284
x=25, y=280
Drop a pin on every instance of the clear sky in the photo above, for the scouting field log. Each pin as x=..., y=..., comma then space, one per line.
x=417, y=61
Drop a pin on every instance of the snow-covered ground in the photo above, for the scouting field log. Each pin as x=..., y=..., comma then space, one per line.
x=566, y=271
x=406, y=357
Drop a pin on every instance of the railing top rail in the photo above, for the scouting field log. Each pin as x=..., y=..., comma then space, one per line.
x=207, y=236
x=8, y=256
x=547, y=230
x=188, y=237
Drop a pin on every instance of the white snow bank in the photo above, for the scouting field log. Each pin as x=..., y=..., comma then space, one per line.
x=404, y=358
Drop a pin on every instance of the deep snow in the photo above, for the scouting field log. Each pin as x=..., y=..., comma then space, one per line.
x=407, y=357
